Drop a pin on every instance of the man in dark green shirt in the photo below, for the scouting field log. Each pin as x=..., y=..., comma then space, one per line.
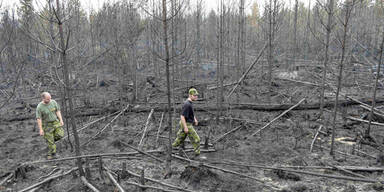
x=50, y=122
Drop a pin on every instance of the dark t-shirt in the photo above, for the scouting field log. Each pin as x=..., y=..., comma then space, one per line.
x=187, y=112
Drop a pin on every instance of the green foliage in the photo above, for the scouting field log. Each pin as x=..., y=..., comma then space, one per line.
x=25, y=13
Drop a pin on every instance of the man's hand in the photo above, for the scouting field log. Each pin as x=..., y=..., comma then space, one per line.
x=196, y=122
x=41, y=132
x=61, y=123
x=186, y=130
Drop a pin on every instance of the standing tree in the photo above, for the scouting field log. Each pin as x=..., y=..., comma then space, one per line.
x=367, y=132
x=347, y=10
x=272, y=9
x=294, y=44
x=326, y=56
x=169, y=109
x=68, y=92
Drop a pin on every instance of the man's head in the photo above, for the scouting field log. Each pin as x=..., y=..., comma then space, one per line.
x=46, y=97
x=193, y=94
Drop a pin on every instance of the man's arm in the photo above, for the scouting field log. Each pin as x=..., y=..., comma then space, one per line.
x=58, y=113
x=184, y=123
x=39, y=124
x=196, y=122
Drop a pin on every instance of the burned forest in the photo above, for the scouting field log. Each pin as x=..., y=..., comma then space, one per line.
x=274, y=95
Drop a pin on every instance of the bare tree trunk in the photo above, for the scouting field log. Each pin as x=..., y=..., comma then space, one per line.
x=198, y=39
x=270, y=50
x=326, y=56
x=294, y=36
x=154, y=44
x=174, y=64
x=240, y=54
x=367, y=132
x=219, y=76
x=68, y=87
x=348, y=10
x=306, y=51
x=165, y=28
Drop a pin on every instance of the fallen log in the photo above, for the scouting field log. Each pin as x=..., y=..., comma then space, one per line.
x=6, y=179
x=47, y=179
x=204, y=108
x=158, y=130
x=346, y=154
x=364, y=121
x=114, y=181
x=145, y=128
x=350, y=168
x=314, y=138
x=142, y=152
x=225, y=85
x=229, y=132
x=375, y=111
x=90, y=186
x=272, y=186
x=367, y=180
x=98, y=133
x=201, y=150
x=149, y=187
x=34, y=189
x=159, y=182
x=90, y=156
x=344, y=170
x=267, y=125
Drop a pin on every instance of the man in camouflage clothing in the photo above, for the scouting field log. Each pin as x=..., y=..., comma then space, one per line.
x=187, y=119
x=50, y=122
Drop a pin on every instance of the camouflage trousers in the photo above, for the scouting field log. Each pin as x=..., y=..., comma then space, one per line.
x=52, y=132
x=192, y=135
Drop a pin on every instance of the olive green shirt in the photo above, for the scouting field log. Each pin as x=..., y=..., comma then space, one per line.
x=47, y=112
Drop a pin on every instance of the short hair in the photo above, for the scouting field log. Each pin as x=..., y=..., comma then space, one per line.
x=43, y=94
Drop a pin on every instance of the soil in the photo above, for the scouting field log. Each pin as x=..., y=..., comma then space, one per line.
x=286, y=142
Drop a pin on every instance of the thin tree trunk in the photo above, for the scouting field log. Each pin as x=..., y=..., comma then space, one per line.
x=240, y=54
x=219, y=79
x=307, y=32
x=295, y=35
x=198, y=39
x=270, y=35
x=68, y=88
x=326, y=56
x=165, y=28
x=367, y=132
x=348, y=8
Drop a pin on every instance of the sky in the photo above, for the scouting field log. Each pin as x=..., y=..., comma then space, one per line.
x=96, y=4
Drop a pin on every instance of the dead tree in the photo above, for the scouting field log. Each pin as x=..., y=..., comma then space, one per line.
x=326, y=54
x=165, y=42
x=67, y=73
x=273, y=9
x=198, y=37
x=240, y=54
x=348, y=7
x=220, y=58
x=294, y=44
x=367, y=132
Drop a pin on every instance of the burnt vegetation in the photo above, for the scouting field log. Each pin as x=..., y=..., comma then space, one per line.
x=290, y=95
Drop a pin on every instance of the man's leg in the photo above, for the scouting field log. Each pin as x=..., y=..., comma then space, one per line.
x=180, y=137
x=58, y=132
x=49, y=138
x=195, y=139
